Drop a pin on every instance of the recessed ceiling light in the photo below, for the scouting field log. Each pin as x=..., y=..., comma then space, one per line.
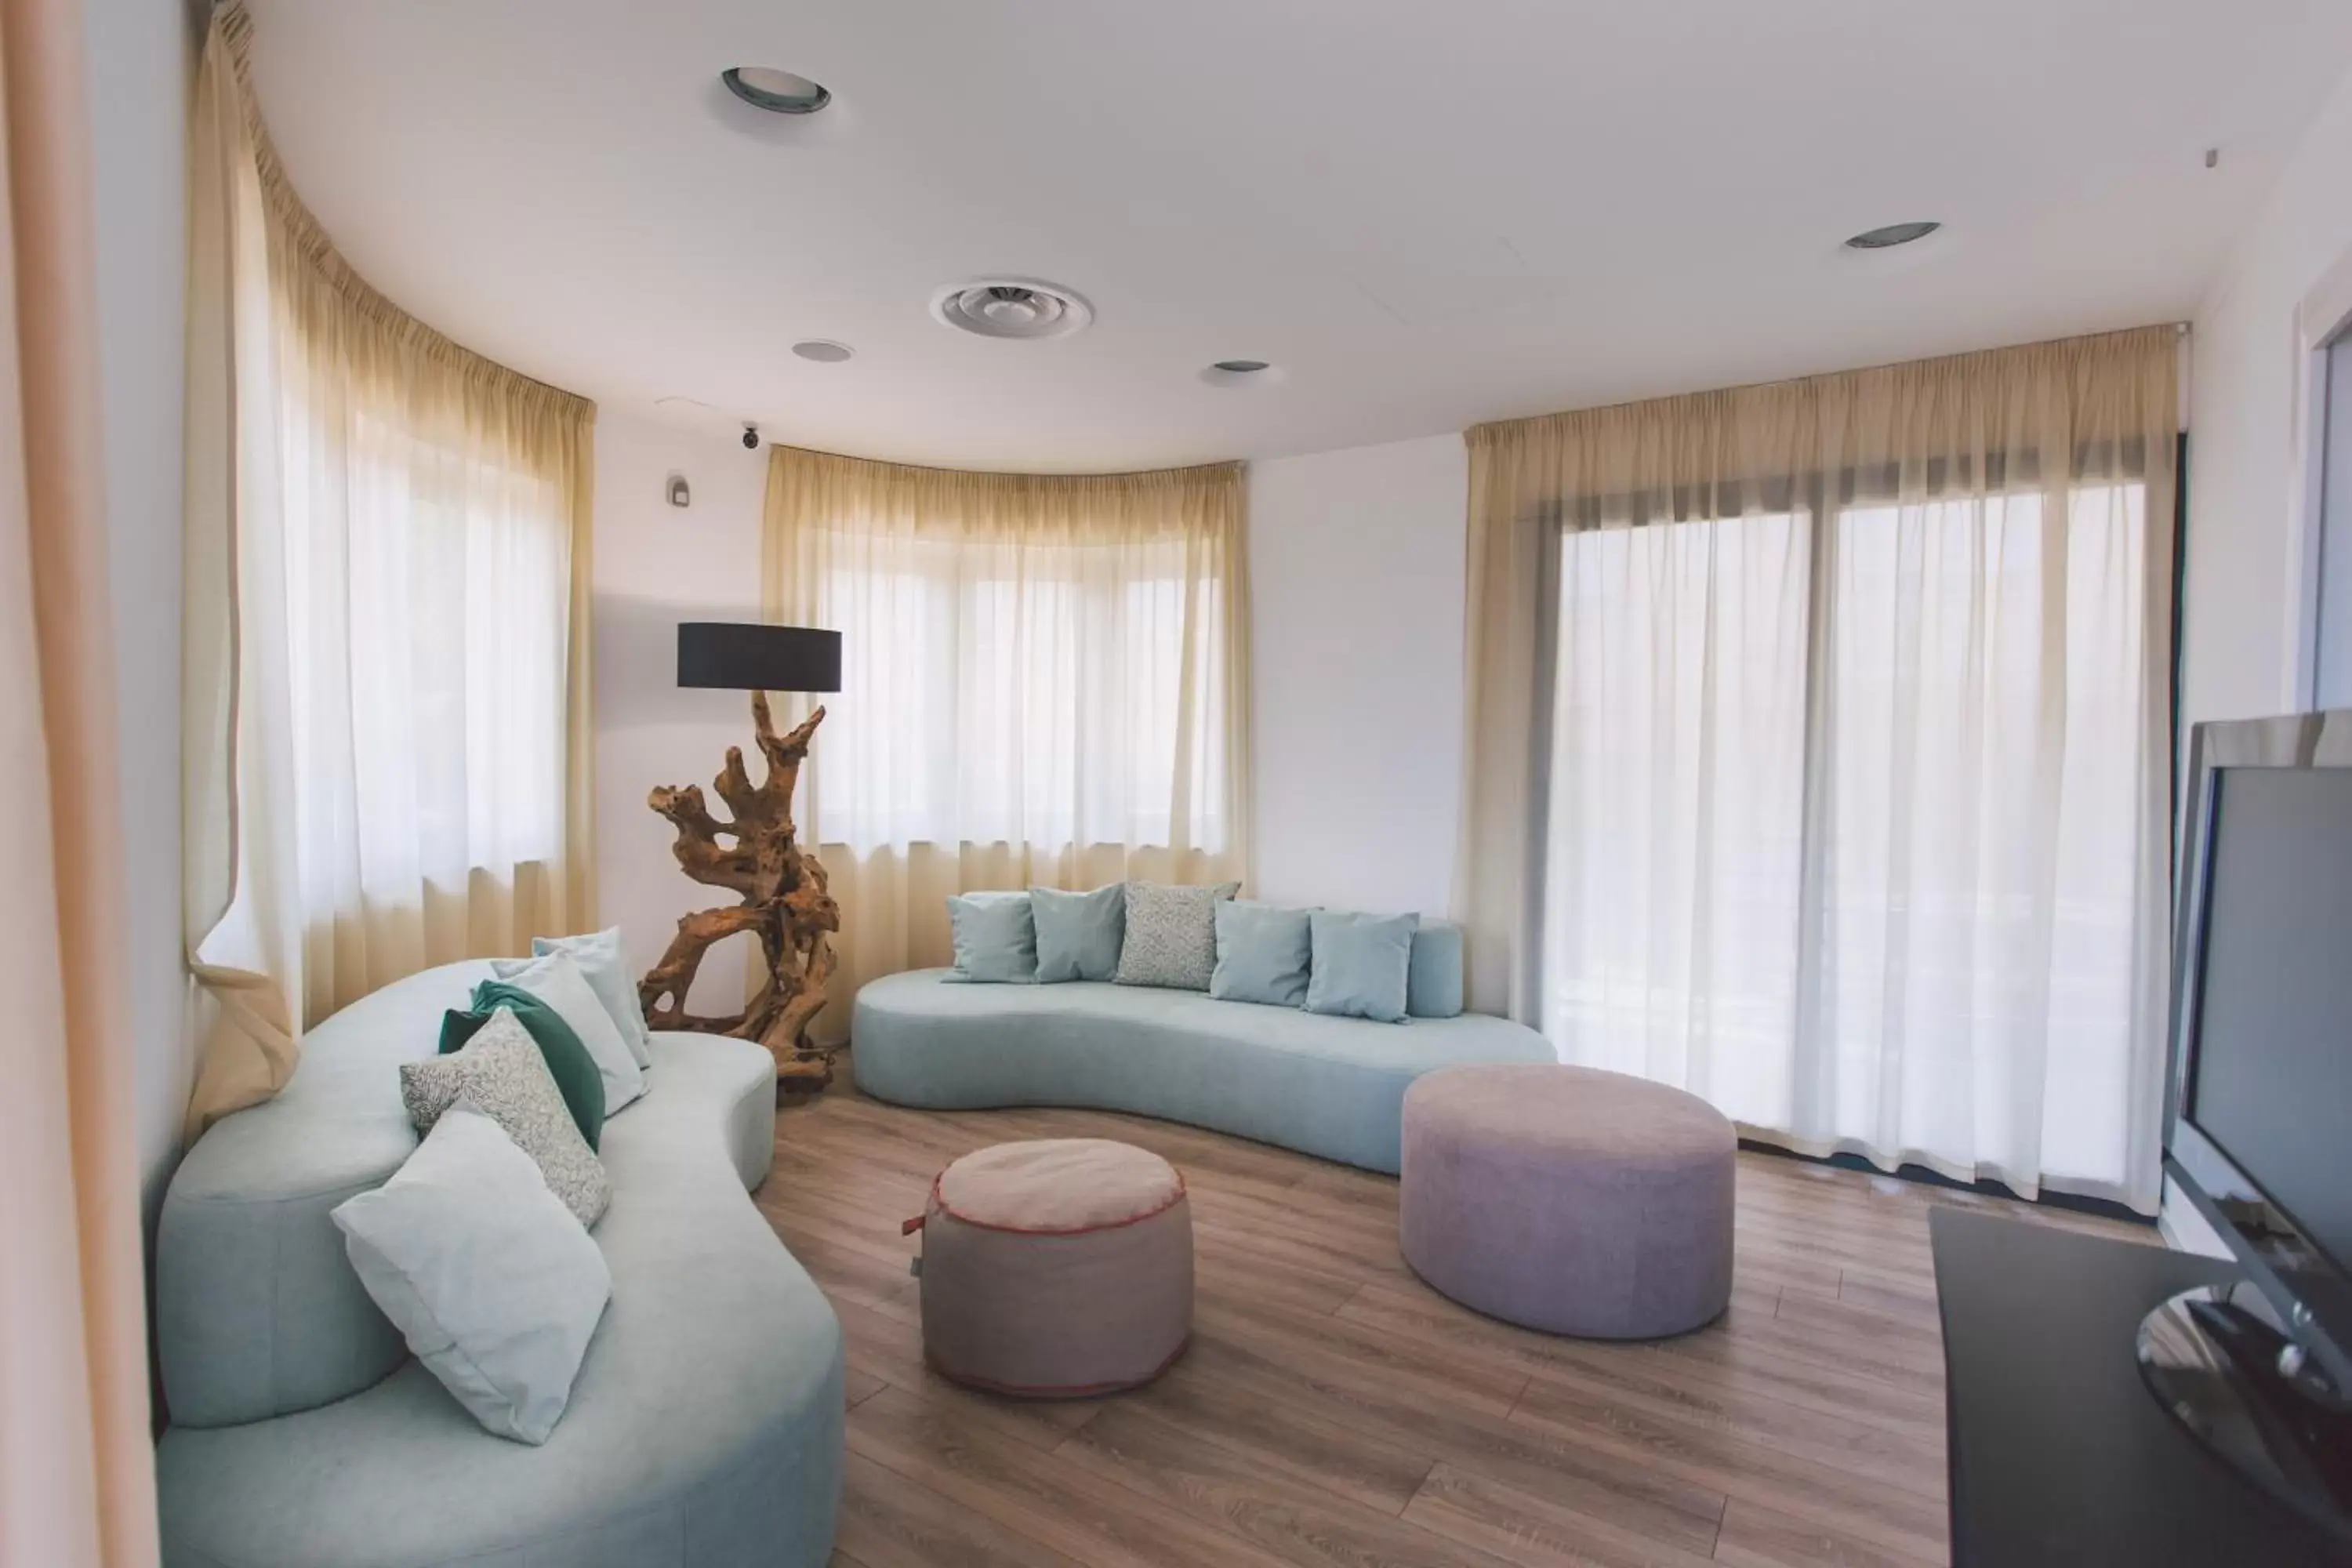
x=1240, y=372
x=1014, y=308
x=1893, y=235
x=777, y=92
x=823, y=351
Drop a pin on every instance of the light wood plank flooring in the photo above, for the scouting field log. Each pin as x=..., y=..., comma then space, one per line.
x=1334, y=1410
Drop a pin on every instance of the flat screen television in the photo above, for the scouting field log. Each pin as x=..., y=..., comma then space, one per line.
x=2259, y=1131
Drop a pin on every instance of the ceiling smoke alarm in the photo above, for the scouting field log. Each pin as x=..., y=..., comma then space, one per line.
x=1014, y=308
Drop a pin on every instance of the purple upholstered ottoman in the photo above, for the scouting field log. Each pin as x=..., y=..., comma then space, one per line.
x=1570, y=1200
x=1056, y=1268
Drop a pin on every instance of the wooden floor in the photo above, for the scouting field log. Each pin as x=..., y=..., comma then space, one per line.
x=1334, y=1410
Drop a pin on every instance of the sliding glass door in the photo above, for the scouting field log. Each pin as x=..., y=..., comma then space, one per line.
x=1673, y=856
x=1844, y=822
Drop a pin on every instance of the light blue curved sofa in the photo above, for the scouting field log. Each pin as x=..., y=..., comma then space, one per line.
x=1325, y=1086
x=705, y=1430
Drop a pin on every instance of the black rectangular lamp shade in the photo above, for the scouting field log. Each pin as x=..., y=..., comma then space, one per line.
x=745, y=656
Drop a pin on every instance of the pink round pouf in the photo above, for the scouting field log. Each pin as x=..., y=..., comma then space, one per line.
x=1570, y=1200
x=1056, y=1268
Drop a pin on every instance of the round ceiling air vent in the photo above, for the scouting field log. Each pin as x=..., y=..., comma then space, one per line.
x=1016, y=308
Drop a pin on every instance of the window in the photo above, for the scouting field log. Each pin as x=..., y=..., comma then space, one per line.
x=1042, y=674
x=434, y=735
x=1042, y=683
x=1068, y=697
x=427, y=610
x=1844, y=822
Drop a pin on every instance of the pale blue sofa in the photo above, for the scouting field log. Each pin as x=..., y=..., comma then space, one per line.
x=705, y=1430
x=1326, y=1086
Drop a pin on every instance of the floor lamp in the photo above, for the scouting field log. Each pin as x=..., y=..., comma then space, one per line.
x=757, y=855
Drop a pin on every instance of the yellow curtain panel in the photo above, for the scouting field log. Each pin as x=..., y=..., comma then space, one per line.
x=1046, y=680
x=1818, y=752
x=388, y=689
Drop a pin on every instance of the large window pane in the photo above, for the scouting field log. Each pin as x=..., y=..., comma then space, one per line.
x=1043, y=697
x=1872, y=883
x=1677, y=806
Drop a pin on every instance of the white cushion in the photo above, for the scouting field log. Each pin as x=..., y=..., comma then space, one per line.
x=602, y=959
x=488, y=1276
x=557, y=980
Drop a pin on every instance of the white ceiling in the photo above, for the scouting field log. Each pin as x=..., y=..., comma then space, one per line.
x=1427, y=213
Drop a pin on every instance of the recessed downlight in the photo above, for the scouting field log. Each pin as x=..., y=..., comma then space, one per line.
x=823, y=351
x=1240, y=372
x=777, y=92
x=1893, y=235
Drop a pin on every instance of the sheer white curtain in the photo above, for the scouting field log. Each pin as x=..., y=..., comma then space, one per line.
x=1044, y=680
x=1849, y=782
x=387, y=696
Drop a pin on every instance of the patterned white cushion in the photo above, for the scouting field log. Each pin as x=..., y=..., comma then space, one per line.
x=1172, y=935
x=502, y=1073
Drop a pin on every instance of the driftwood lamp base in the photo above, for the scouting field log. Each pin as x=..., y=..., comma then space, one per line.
x=783, y=905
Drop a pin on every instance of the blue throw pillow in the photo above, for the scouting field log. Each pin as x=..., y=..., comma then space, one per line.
x=1263, y=954
x=995, y=937
x=1361, y=964
x=1434, y=987
x=1078, y=935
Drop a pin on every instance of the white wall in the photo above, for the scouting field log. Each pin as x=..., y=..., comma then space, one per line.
x=655, y=566
x=142, y=57
x=1355, y=578
x=2241, y=620
x=2239, y=616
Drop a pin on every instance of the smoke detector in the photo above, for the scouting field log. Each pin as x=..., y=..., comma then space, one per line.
x=1015, y=307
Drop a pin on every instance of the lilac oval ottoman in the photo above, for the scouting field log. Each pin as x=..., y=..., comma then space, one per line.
x=1056, y=1268
x=1568, y=1199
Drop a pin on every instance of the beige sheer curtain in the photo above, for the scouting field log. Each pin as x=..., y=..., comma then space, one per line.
x=1046, y=680
x=77, y=1461
x=387, y=657
x=1818, y=753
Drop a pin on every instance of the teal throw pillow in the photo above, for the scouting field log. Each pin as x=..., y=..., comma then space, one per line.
x=1078, y=935
x=1434, y=990
x=1263, y=954
x=1361, y=964
x=995, y=938
x=574, y=1070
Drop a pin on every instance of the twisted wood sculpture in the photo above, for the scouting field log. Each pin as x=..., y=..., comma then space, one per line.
x=785, y=905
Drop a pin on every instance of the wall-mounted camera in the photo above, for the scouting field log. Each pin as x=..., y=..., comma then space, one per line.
x=751, y=437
